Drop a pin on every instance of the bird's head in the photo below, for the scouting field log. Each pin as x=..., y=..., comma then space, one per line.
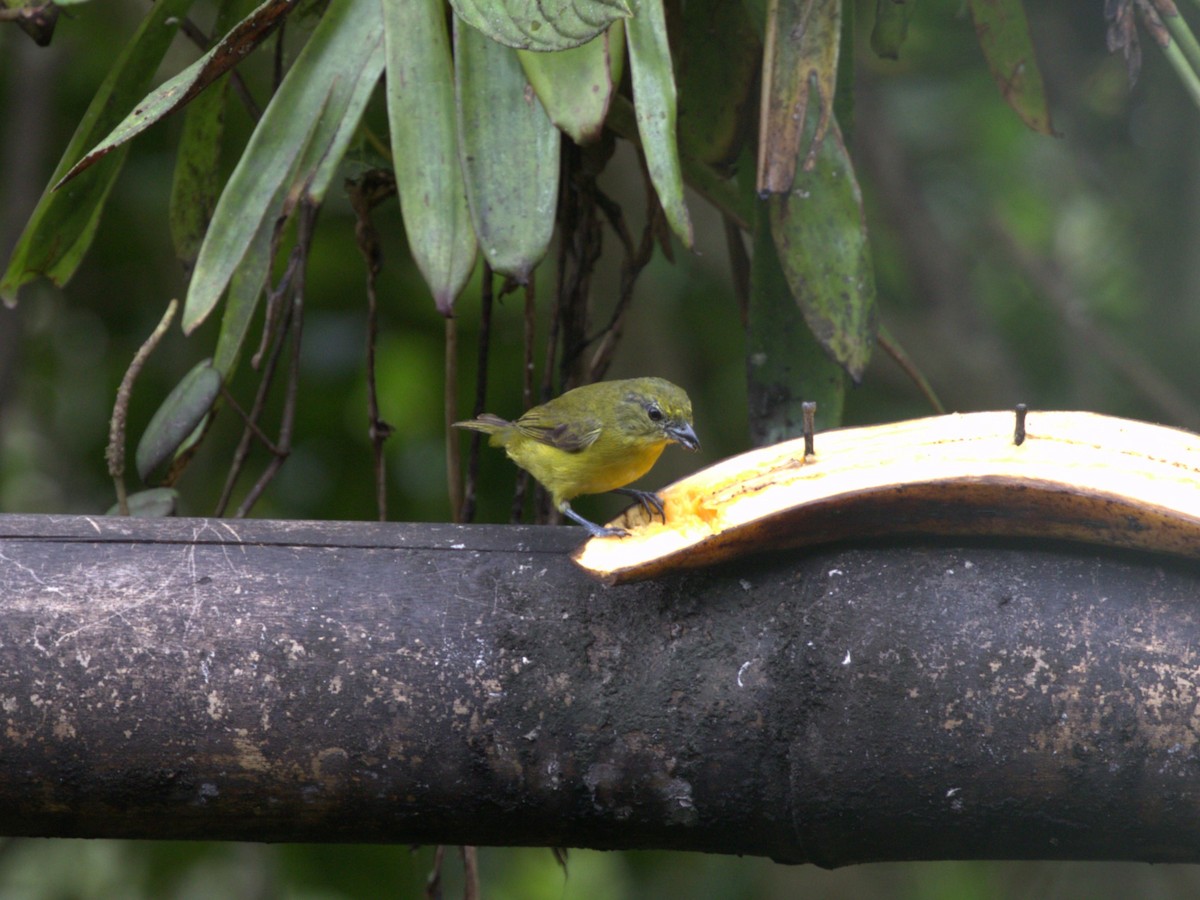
x=657, y=410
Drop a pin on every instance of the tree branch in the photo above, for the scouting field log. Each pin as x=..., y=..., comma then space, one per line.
x=305, y=681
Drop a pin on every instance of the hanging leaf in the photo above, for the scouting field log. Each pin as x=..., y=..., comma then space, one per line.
x=821, y=236
x=245, y=291
x=891, y=27
x=420, y=96
x=541, y=24
x=64, y=222
x=800, y=56
x=509, y=153
x=181, y=415
x=576, y=85
x=1003, y=33
x=298, y=142
x=178, y=91
x=654, y=104
x=154, y=503
x=197, y=181
x=720, y=60
x=785, y=365
x=197, y=184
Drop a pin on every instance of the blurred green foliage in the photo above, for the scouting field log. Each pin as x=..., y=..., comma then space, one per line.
x=1009, y=264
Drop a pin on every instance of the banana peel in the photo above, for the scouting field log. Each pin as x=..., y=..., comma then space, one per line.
x=1073, y=475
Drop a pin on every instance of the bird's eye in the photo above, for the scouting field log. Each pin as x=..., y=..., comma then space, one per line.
x=655, y=414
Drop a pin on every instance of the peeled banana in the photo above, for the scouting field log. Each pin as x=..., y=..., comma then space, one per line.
x=1064, y=475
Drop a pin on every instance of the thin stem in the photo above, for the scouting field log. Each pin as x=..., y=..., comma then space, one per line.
x=470, y=858
x=529, y=322
x=454, y=485
x=287, y=420
x=631, y=268
x=892, y=347
x=364, y=194
x=1182, y=62
x=1183, y=35
x=433, y=881
x=481, y=380
x=275, y=328
x=115, y=454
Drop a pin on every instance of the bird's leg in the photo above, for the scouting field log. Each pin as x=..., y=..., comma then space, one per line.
x=648, y=500
x=593, y=529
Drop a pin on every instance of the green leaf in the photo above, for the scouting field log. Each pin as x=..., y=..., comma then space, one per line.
x=891, y=27
x=1003, y=33
x=245, y=291
x=178, y=91
x=337, y=130
x=719, y=64
x=654, y=104
x=541, y=24
x=197, y=182
x=509, y=153
x=821, y=237
x=62, y=226
x=785, y=365
x=576, y=86
x=180, y=415
x=801, y=55
x=250, y=277
x=155, y=503
x=421, y=114
x=296, y=145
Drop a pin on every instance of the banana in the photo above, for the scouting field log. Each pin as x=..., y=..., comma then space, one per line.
x=1063, y=475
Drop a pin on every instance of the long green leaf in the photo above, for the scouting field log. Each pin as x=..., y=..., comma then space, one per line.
x=197, y=181
x=1003, y=32
x=785, y=365
x=179, y=416
x=300, y=139
x=245, y=291
x=719, y=64
x=891, y=27
x=197, y=184
x=420, y=97
x=62, y=226
x=821, y=235
x=542, y=25
x=800, y=56
x=509, y=153
x=309, y=179
x=178, y=91
x=654, y=103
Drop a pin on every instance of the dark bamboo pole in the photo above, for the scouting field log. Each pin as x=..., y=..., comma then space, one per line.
x=466, y=684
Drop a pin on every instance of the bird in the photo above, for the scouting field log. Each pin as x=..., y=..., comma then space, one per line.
x=594, y=439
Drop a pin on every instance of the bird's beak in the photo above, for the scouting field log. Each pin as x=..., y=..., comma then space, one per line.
x=682, y=434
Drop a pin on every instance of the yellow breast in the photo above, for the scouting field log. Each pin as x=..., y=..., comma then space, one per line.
x=604, y=466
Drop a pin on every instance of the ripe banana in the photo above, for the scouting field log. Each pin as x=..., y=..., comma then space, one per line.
x=1075, y=475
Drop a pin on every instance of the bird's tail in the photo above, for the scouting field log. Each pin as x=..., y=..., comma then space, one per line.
x=499, y=429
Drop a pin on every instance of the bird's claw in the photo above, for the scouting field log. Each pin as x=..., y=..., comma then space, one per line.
x=648, y=500
x=610, y=532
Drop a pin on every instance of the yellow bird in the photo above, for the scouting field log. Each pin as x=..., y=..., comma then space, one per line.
x=594, y=439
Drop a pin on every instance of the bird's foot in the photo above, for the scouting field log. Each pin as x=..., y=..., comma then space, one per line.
x=593, y=529
x=648, y=500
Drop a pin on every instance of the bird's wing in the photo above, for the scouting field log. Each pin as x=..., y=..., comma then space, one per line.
x=569, y=436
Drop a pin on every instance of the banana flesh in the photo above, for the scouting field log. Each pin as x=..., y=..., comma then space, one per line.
x=1075, y=476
